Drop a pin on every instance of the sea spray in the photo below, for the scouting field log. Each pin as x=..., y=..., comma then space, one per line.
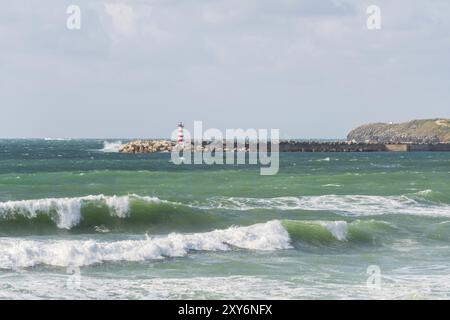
x=112, y=146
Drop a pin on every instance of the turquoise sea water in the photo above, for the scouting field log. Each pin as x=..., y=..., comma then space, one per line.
x=78, y=220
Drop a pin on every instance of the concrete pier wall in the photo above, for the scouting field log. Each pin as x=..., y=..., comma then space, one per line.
x=397, y=147
x=291, y=146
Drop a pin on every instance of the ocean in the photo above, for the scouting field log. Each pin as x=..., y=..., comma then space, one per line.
x=78, y=220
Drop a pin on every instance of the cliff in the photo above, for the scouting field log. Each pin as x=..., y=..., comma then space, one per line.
x=416, y=131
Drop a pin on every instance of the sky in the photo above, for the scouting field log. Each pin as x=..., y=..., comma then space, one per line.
x=135, y=68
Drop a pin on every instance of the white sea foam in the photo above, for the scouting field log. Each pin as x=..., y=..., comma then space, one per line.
x=327, y=159
x=430, y=284
x=53, y=286
x=112, y=146
x=348, y=205
x=66, y=212
x=19, y=253
x=425, y=192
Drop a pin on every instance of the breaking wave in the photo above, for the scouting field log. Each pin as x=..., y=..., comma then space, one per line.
x=326, y=232
x=268, y=236
x=106, y=212
x=66, y=213
x=21, y=253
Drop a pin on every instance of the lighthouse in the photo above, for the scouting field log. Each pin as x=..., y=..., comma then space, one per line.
x=180, y=133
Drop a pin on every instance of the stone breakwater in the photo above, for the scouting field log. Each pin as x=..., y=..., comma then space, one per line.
x=149, y=146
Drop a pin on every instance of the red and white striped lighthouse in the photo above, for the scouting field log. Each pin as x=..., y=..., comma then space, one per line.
x=180, y=133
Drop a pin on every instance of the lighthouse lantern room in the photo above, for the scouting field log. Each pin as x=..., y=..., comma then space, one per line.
x=180, y=133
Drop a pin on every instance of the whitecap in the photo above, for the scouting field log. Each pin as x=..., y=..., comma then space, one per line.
x=21, y=253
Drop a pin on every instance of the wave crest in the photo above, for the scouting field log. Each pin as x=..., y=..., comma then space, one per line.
x=268, y=236
x=66, y=212
x=19, y=253
x=95, y=210
x=324, y=232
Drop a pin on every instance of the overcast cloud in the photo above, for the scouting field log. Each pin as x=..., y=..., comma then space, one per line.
x=135, y=68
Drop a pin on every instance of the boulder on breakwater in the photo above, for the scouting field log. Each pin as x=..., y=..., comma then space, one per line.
x=147, y=146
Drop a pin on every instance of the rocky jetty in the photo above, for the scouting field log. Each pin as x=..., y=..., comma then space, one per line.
x=431, y=131
x=147, y=146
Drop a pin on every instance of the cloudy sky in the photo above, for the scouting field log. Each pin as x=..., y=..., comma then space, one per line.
x=135, y=68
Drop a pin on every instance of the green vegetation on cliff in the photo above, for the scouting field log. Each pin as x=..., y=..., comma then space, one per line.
x=416, y=131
